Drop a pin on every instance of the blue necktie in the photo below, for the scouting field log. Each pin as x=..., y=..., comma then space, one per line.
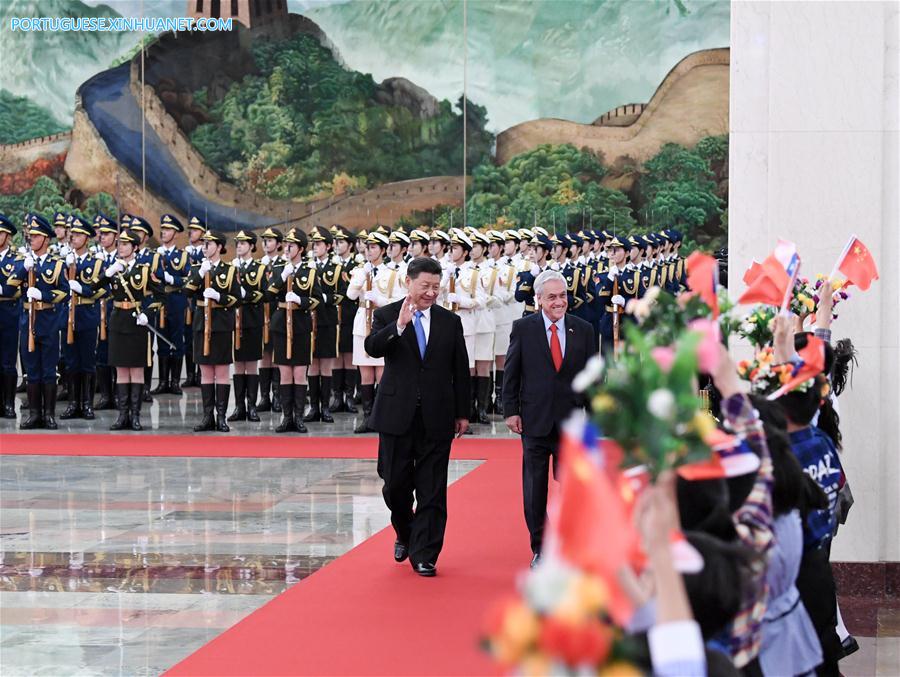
x=420, y=333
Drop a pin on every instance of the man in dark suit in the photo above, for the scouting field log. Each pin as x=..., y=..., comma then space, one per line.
x=422, y=402
x=546, y=350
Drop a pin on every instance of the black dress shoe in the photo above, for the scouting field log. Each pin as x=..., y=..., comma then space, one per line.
x=849, y=646
x=425, y=569
x=535, y=560
x=401, y=551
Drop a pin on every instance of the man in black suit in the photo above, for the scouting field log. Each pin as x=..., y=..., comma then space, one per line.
x=546, y=350
x=422, y=402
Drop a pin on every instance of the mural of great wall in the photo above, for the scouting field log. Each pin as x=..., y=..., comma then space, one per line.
x=126, y=141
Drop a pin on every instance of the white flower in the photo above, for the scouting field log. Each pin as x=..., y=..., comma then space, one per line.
x=545, y=586
x=588, y=376
x=661, y=403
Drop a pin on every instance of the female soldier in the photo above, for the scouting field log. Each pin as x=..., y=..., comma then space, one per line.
x=252, y=278
x=344, y=371
x=325, y=351
x=215, y=284
x=295, y=288
x=130, y=345
x=272, y=242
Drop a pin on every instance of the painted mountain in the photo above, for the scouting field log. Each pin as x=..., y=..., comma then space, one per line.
x=48, y=67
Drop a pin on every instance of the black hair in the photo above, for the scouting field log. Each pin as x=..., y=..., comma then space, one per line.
x=844, y=361
x=422, y=264
x=800, y=341
x=703, y=505
x=801, y=406
x=718, y=591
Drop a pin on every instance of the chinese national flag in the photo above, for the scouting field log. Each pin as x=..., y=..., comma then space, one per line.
x=702, y=278
x=858, y=265
x=770, y=284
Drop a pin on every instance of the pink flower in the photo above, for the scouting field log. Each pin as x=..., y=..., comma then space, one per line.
x=664, y=356
x=708, y=349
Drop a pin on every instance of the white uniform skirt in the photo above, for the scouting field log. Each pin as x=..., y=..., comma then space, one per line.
x=360, y=357
x=501, y=338
x=484, y=347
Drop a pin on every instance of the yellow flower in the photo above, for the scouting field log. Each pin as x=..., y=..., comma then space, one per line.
x=765, y=357
x=520, y=627
x=809, y=303
x=620, y=669
x=593, y=593
x=703, y=424
x=603, y=402
x=536, y=664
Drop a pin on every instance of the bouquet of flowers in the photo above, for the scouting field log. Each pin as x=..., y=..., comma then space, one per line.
x=558, y=626
x=801, y=303
x=728, y=323
x=757, y=326
x=765, y=376
x=838, y=293
x=647, y=400
x=663, y=317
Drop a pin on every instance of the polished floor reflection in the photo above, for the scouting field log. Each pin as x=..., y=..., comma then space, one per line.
x=123, y=566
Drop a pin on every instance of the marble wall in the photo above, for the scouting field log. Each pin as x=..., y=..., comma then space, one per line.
x=814, y=158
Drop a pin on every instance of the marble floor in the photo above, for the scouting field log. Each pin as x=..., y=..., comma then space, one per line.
x=123, y=566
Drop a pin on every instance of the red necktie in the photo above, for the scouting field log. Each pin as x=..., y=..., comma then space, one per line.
x=555, y=348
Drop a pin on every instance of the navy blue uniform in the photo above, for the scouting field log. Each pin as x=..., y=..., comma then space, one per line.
x=175, y=263
x=10, y=312
x=81, y=355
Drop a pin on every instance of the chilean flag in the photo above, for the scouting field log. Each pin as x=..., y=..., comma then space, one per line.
x=813, y=362
x=773, y=280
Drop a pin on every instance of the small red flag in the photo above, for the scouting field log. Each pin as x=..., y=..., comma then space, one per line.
x=813, y=356
x=752, y=272
x=703, y=278
x=769, y=286
x=858, y=265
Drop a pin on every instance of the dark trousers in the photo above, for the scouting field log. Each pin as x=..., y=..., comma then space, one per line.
x=9, y=346
x=40, y=365
x=536, y=455
x=412, y=463
x=81, y=356
x=815, y=582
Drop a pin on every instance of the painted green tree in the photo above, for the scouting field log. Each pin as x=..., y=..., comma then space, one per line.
x=22, y=119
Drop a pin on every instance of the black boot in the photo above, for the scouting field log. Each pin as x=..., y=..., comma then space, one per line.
x=240, y=398
x=63, y=382
x=49, y=396
x=136, y=393
x=299, y=405
x=162, y=367
x=336, y=401
x=483, y=385
x=35, y=416
x=287, y=415
x=277, y=392
x=473, y=396
x=23, y=386
x=325, y=399
x=74, y=408
x=87, y=396
x=498, y=392
x=104, y=380
x=208, y=394
x=123, y=402
x=9, y=395
x=175, y=375
x=351, y=378
x=148, y=377
x=368, y=399
x=252, y=390
x=265, y=384
x=315, y=411
x=190, y=373
x=222, y=394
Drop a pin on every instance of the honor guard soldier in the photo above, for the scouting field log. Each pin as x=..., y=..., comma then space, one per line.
x=194, y=250
x=61, y=223
x=524, y=244
x=648, y=263
x=488, y=305
x=173, y=312
x=538, y=253
x=508, y=308
x=144, y=255
x=397, y=251
x=360, y=246
x=10, y=311
x=294, y=287
x=107, y=235
x=269, y=375
x=131, y=285
x=677, y=267
x=248, y=330
x=373, y=285
x=610, y=290
x=344, y=373
x=87, y=286
x=41, y=276
x=630, y=276
x=325, y=351
x=214, y=284
x=438, y=245
x=418, y=243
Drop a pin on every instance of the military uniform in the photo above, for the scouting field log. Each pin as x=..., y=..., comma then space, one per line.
x=612, y=290
x=105, y=373
x=88, y=285
x=10, y=311
x=173, y=311
x=526, y=278
x=153, y=261
x=269, y=377
x=344, y=380
x=325, y=328
x=194, y=253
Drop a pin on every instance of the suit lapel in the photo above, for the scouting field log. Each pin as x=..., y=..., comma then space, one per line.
x=541, y=328
x=569, y=329
x=432, y=335
x=409, y=335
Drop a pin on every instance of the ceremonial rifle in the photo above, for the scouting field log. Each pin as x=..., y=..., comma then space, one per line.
x=289, y=318
x=70, y=329
x=369, y=309
x=137, y=310
x=207, y=318
x=616, y=319
x=31, y=313
x=237, y=313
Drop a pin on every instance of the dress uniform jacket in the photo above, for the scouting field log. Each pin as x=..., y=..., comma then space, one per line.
x=10, y=312
x=328, y=274
x=130, y=344
x=176, y=263
x=306, y=286
x=346, y=307
x=252, y=278
x=223, y=278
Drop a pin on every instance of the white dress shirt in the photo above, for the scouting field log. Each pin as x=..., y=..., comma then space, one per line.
x=560, y=331
x=426, y=324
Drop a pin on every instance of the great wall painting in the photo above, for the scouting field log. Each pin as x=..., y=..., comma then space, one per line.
x=308, y=117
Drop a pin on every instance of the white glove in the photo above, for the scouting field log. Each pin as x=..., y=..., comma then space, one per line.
x=29, y=262
x=453, y=298
x=160, y=250
x=535, y=269
x=287, y=271
x=613, y=273
x=205, y=267
x=64, y=250
x=265, y=260
x=368, y=268
x=75, y=286
x=70, y=259
x=493, y=302
x=1, y=290
x=291, y=297
x=116, y=267
x=210, y=293
x=168, y=278
x=371, y=295
x=618, y=300
x=243, y=293
x=34, y=294
x=142, y=320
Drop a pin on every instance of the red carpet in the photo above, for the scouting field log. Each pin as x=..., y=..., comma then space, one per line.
x=362, y=614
